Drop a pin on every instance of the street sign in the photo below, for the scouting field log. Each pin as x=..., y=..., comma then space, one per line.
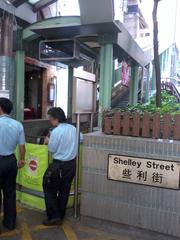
x=152, y=172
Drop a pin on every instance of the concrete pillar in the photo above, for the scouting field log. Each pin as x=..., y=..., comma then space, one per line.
x=7, y=65
x=106, y=78
x=133, y=93
x=70, y=91
x=6, y=31
x=20, y=75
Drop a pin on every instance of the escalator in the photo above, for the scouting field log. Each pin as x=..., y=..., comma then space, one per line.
x=120, y=96
x=172, y=88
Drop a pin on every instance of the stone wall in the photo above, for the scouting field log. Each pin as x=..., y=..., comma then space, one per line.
x=141, y=206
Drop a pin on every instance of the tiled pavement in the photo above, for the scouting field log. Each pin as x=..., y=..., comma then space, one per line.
x=29, y=228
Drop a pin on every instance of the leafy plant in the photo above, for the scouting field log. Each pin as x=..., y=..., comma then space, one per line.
x=169, y=104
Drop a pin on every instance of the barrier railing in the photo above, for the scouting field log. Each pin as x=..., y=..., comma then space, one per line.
x=30, y=177
x=138, y=125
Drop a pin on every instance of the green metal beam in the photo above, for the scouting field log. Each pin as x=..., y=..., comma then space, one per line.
x=106, y=78
x=133, y=94
x=70, y=91
x=20, y=72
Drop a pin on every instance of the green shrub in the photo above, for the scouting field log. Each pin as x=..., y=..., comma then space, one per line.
x=169, y=105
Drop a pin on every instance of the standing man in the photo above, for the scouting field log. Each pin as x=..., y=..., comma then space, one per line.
x=11, y=135
x=59, y=176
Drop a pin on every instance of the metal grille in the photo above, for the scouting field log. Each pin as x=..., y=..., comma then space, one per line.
x=7, y=76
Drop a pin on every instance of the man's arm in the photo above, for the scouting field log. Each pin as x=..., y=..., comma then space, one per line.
x=22, y=151
x=53, y=142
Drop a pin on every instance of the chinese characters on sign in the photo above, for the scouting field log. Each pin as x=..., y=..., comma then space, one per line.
x=144, y=171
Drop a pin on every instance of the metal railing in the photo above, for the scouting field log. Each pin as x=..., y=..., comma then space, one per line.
x=172, y=85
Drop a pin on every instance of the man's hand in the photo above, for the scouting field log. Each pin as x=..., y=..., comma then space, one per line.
x=21, y=163
x=46, y=141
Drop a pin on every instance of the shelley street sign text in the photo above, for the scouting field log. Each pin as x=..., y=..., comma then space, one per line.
x=151, y=172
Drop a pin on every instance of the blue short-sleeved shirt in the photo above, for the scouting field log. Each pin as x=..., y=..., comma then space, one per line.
x=63, y=142
x=11, y=134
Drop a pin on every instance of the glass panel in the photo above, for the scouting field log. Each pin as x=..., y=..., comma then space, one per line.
x=56, y=49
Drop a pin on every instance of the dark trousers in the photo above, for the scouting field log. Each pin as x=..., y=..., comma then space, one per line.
x=8, y=172
x=57, y=184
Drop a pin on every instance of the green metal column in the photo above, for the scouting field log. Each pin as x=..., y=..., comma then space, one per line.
x=133, y=94
x=20, y=75
x=106, y=78
x=114, y=74
x=70, y=91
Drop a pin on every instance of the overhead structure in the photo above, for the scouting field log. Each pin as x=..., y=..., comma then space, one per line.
x=18, y=3
x=42, y=4
x=72, y=27
x=23, y=12
x=99, y=42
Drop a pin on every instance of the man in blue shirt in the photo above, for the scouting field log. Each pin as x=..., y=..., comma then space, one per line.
x=11, y=135
x=59, y=176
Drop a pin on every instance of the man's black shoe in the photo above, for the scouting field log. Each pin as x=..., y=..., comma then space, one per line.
x=52, y=222
x=8, y=227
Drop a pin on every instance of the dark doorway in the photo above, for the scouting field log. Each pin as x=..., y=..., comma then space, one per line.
x=33, y=92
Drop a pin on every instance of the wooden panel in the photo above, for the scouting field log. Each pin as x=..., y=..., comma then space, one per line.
x=167, y=126
x=108, y=126
x=156, y=126
x=146, y=125
x=177, y=127
x=126, y=124
x=136, y=125
x=117, y=123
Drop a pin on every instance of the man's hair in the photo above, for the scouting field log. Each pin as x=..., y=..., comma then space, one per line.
x=6, y=105
x=57, y=113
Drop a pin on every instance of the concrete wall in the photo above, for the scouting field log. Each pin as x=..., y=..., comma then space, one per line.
x=141, y=206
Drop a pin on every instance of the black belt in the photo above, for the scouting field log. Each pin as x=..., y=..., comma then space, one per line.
x=6, y=156
x=63, y=162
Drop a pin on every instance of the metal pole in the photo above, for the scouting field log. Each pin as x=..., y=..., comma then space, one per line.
x=76, y=190
x=70, y=91
x=91, y=122
x=20, y=71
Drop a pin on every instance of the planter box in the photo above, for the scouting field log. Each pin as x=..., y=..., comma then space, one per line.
x=146, y=125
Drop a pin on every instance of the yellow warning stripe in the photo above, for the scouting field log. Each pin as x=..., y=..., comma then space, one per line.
x=42, y=227
x=10, y=234
x=25, y=232
x=70, y=234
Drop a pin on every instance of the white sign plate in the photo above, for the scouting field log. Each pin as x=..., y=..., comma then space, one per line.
x=157, y=173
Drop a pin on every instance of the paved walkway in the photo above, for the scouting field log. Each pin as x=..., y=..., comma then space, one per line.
x=29, y=228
